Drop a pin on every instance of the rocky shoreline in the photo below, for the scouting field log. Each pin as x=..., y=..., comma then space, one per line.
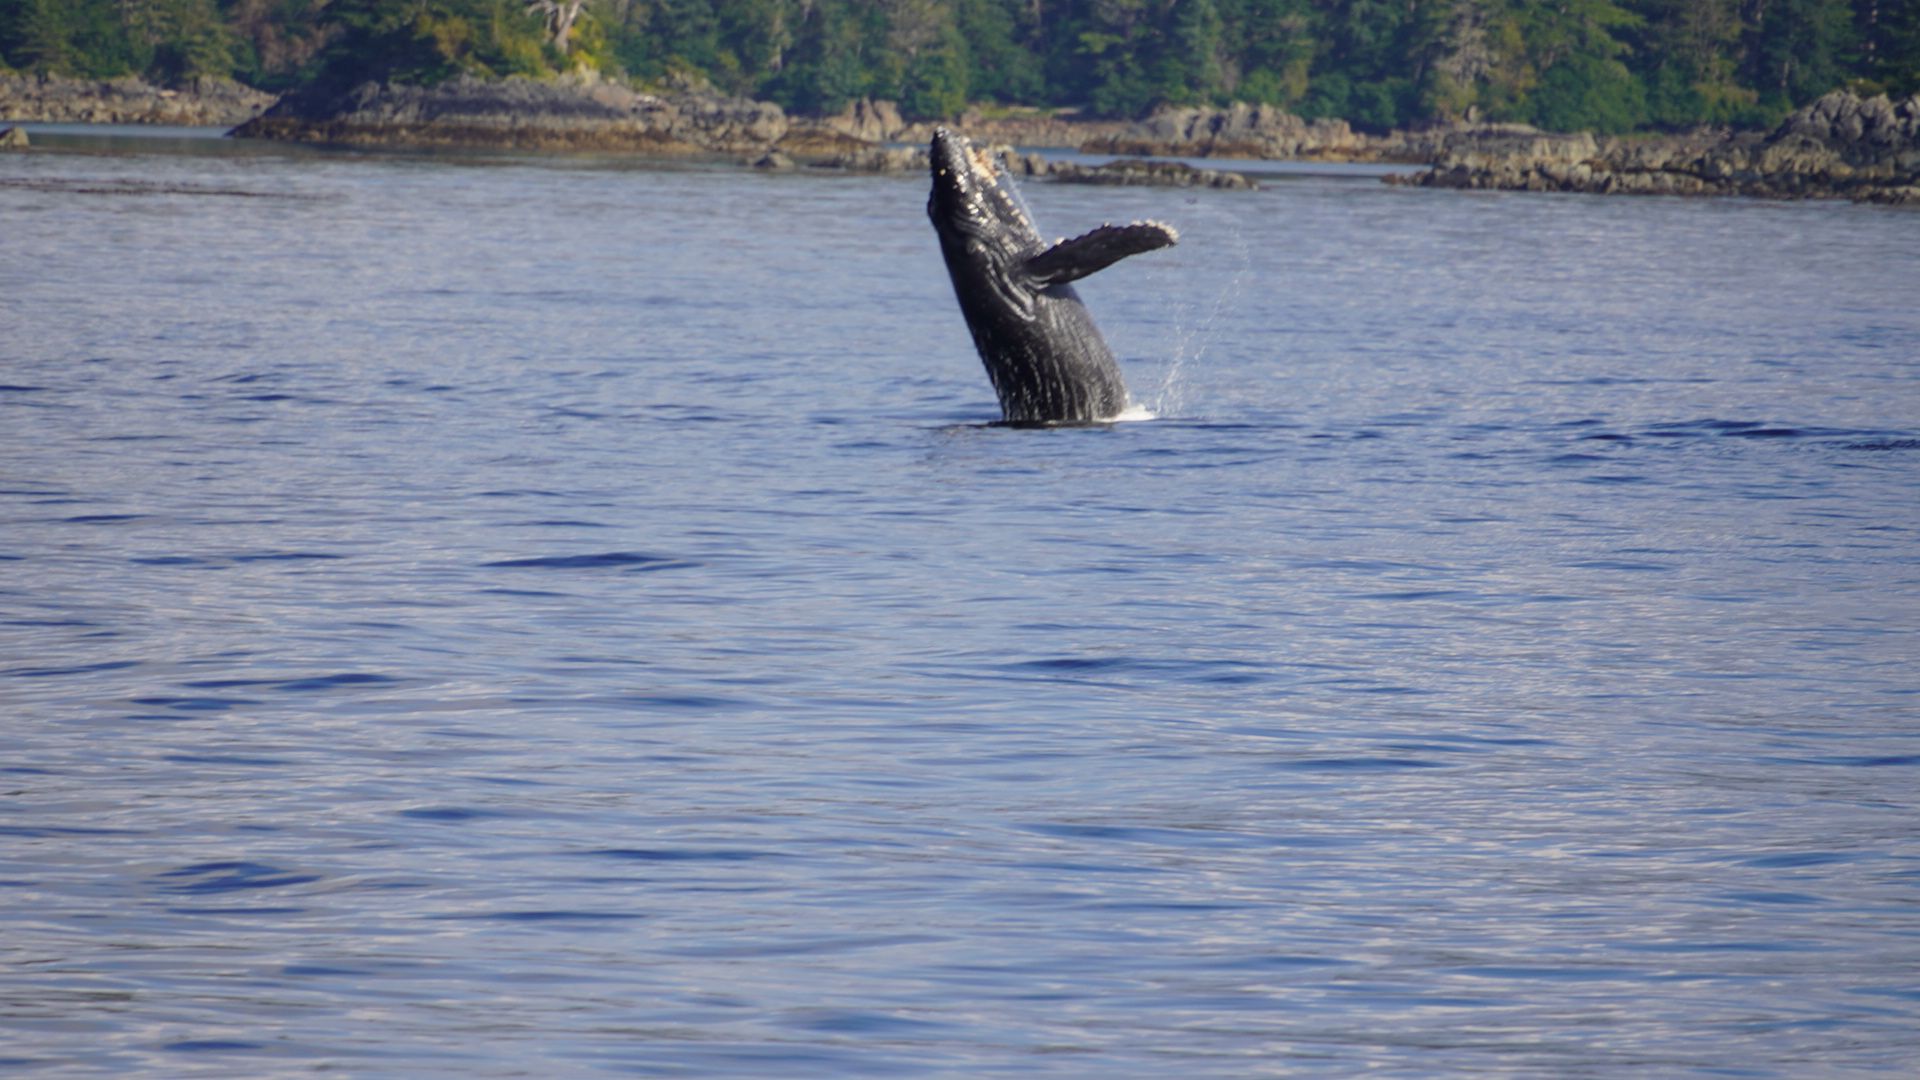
x=1263, y=132
x=523, y=114
x=1125, y=172
x=1240, y=131
x=601, y=116
x=1840, y=147
x=53, y=99
x=881, y=122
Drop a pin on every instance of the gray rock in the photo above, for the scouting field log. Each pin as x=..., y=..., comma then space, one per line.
x=13, y=139
x=1133, y=172
x=199, y=103
x=520, y=113
x=868, y=120
x=1840, y=146
x=878, y=159
x=1239, y=130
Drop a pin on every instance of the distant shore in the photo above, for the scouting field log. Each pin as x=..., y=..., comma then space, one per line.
x=54, y=99
x=1841, y=146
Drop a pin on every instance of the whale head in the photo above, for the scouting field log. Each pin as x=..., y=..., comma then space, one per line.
x=970, y=205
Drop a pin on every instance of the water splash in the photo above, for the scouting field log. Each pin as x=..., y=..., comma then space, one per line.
x=1192, y=334
x=1003, y=171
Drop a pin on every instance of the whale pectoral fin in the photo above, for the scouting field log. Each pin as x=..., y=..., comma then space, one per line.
x=1071, y=260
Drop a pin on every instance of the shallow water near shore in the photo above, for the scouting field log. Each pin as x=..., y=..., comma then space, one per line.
x=572, y=619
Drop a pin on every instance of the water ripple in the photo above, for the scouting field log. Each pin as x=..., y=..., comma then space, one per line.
x=222, y=877
x=434, y=653
x=629, y=560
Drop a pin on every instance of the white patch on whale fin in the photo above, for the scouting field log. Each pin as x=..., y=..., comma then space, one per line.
x=1071, y=260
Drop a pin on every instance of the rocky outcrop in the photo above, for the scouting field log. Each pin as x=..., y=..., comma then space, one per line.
x=525, y=114
x=13, y=139
x=880, y=121
x=1022, y=127
x=54, y=99
x=1264, y=132
x=1521, y=160
x=868, y=121
x=1134, y=172
x=873, y=158
x=1240, y=130
x=876, y=159
x=1428, y=144
x=584, y=115
x=1840, y=146
x=592, y=115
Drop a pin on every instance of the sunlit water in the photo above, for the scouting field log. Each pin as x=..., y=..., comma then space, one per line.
x=510, y=618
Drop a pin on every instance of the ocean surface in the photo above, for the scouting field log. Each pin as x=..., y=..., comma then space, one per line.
x=489, y=617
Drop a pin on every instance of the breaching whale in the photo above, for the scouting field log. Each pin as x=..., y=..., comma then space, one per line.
x=1047, y=360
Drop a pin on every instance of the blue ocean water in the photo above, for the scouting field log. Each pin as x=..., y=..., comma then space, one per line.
x=490, y=617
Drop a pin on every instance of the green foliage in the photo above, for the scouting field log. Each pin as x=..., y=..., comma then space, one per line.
x=1001, y=64
x=1889, y=53
x=1685, y=52
x=1795, y=50
x=1611, y=65
x=426, y=41
x=1585, y=92
x=934, y=83
x=1268, y=50
x=38, y=36
x=194, y=41
x=827, y=67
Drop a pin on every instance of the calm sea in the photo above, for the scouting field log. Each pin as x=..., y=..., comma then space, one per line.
x=485, y=617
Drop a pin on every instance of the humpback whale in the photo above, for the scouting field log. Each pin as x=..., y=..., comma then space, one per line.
x=1045, y=357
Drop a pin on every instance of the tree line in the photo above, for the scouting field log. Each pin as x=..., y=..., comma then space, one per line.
x=1608, y=65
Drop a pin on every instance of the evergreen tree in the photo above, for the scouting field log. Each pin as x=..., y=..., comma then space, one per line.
x=996, y=37
x=1607, y=64
x=1362, y=73
x=688, y=32
x=1269, y=49
x=192, y=41
x=1889, y=33
x=1453, y=49
x=38, y=37
x=1186, y=67
x=934, y=84
x=1687, y=52
x=1110, y=40
x=828, y=66
x=426, y=41
x=1796, y=49
x=755, y=37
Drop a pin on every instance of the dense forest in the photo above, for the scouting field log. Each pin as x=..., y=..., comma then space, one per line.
x=1610, y=65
